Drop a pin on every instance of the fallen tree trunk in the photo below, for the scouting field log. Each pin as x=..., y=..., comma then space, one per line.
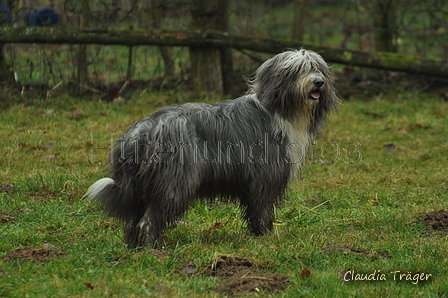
x=382, y=60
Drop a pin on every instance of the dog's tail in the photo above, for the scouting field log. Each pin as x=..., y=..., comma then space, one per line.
x=107, y=193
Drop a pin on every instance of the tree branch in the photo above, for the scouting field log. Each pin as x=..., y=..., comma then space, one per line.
x=381, y=60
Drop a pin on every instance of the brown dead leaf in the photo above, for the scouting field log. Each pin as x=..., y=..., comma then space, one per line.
x=373, y=254
x=118, y=100
x=52, y=156
x=89, y=285
x=419, y=126
x=305, y=273
x=391, y=147
x=188, y=269
x=41, y=195
x=75, y=115
x=5, y=218
x=159, y=287
x=24, y=145
x=216, y=225
x=374, y=115
x=47, y=145
x=119, y=260
x=164, y=240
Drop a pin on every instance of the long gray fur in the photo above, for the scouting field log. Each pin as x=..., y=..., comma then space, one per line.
x=245, y=149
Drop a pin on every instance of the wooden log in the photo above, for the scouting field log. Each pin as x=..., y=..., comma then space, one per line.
x=381, y=60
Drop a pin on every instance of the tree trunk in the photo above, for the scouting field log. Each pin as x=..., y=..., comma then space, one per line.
x=157, y=12
x=384, y=25
x=211, y=39
x=81, y=59
x=6, y=75
x=226, y=52
x=299, y=20
x=206, y=69
x=206, y=62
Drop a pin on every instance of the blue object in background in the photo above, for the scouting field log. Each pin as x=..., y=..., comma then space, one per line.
x=5, y=14
x=42, y=17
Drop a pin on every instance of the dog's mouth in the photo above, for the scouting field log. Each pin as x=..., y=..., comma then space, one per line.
x=315, y=95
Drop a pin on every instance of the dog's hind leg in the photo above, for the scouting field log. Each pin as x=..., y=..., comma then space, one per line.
x=146, y=231
x=130, y=232
x=259, y=214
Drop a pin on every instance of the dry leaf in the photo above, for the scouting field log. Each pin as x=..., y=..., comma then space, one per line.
x=215, y=226
x=50, y=156
x=305, y=273
x=418, y=126
x=159, y=287
x=89, y=285
x=47, y=145
x=391, y=147
x=75, y=115
x=374, y=115
x=189, y=269
x=118, y=99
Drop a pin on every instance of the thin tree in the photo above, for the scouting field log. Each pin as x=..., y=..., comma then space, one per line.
x=82, y=77
x=384, y=14
x=157, y=13
x=298, y=23
x=207, y=62
x=6, y=17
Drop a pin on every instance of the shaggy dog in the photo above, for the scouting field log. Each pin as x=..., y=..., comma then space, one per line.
x=246, y=149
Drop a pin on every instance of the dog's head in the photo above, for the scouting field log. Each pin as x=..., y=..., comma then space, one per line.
x=294, y=84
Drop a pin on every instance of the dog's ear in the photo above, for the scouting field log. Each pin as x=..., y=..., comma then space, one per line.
x=275, y=84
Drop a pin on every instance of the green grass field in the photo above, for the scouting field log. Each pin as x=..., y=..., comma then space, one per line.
x=380, y=164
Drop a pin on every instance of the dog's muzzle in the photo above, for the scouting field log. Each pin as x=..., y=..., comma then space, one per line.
x=315, y=93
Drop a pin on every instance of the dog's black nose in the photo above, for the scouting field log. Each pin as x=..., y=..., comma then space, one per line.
x=318, y=82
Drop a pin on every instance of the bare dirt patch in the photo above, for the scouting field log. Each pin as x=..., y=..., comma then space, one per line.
x=241, y=276
x=6, y=188
x=436, y=221
x=6, y=217
x=159, y=254
x=35, y=254
x=373, y=254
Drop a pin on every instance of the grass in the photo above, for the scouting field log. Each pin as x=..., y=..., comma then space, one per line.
x=366, y=198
